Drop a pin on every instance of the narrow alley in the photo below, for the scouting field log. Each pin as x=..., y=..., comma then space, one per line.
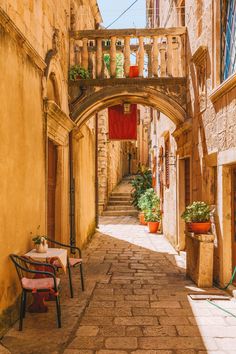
x=118, y=177
x=136, y=301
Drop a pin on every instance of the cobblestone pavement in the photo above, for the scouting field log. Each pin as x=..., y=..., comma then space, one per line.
x=136, y=301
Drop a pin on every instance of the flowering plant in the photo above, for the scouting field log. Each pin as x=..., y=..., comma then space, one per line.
x=197, y=212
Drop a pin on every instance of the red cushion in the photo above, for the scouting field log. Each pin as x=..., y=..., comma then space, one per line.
x=73, y=262
x=39, y=284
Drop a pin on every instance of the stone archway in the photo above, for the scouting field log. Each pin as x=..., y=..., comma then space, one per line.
x=167, y=97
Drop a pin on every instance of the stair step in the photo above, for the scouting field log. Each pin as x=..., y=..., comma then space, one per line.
x=121, y=207
x=120, y=197
x=121, y=194
x=119, y=213
x=120, y=202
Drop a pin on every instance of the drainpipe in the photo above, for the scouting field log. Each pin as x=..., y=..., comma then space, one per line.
x=72, y=194
x=96, y=172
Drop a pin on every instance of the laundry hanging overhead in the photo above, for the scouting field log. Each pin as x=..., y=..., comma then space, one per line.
x=122, y=126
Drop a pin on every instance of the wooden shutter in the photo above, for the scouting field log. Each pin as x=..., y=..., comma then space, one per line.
x=187, y=181
x=167, y=162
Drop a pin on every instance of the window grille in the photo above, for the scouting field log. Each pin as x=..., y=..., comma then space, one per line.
x=228, y=38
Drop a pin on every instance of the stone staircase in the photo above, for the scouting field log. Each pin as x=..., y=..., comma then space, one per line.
x=119, y=203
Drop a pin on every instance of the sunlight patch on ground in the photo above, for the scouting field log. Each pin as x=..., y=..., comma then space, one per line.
x=129, y=231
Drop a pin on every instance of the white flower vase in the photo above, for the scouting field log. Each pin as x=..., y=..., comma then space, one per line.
x=42, y=247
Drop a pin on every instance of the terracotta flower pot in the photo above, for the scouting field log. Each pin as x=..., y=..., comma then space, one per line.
x=200, y=227
x=142, y=219
x=133, y=71
x=153, y=226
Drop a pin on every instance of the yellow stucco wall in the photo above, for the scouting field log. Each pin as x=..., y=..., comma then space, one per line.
x=84, y=173
x=23, y=167
x=22, y=163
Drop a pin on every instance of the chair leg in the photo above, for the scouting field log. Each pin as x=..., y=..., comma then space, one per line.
x=25, y=301
x=21, y=311
x=58, y=306
x=81, y=276
x=70, y=281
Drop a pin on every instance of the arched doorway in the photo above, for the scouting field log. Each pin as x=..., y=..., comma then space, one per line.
x=89, y=106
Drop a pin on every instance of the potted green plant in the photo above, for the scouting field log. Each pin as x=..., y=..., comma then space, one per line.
x=140, y=184
x=149, y=200
x=153, y=218
x=40, y=243
x=77, y=72
x=197, y=217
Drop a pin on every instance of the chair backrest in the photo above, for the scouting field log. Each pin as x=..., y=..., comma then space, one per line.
x=21, y=265
x=72, y=249
x=55, y=244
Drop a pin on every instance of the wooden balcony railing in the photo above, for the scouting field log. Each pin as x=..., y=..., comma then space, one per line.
x=157, y=52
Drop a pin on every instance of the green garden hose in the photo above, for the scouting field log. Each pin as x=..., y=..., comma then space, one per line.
x=231, y=280
x=229, y=283
x=221, y=308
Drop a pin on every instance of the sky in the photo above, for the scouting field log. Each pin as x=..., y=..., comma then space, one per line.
x=134, y=18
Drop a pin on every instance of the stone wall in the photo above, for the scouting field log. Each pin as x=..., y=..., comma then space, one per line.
x=161, y=129
x=143, y=135
x=34, y=60
x=211, y=110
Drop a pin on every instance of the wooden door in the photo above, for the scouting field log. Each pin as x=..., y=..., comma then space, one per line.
x=187, y=182
x=234, y=217
x=52, y=170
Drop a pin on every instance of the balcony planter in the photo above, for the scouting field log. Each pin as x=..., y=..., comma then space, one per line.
x=200, y=227
x=133, y=71
x=153, y=226
x=76, y=72
x=142, y=218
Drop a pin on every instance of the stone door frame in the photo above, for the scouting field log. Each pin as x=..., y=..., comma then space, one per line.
x=58, y=127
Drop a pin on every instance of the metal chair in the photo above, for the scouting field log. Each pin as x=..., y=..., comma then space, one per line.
x=44, y=281
x=71, y=263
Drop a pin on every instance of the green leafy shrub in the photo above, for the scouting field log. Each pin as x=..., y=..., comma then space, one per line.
x=140, y=184
x=153, y=215
x=76, y=72
x=197, y=212
x=149, y=200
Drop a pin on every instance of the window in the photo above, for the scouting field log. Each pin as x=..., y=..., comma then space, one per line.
x=228, y=38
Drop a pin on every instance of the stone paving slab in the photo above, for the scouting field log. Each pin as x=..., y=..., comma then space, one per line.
x=136, y=302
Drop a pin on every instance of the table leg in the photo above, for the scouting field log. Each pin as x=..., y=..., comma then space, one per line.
x=38, y=304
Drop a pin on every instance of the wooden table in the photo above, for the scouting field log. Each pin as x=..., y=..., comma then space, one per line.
x=39, y=298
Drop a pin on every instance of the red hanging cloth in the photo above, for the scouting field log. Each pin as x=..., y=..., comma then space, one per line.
x=122, y=126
